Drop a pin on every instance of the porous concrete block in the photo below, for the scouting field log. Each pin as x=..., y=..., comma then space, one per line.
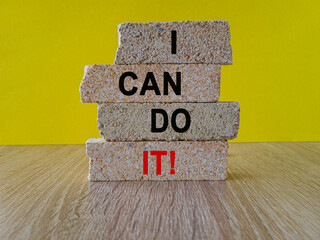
x=199, y=83
x=196, y=42
x=133, y=121
x=113, y=161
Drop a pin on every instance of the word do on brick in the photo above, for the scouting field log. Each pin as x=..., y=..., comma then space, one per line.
x=174, y=125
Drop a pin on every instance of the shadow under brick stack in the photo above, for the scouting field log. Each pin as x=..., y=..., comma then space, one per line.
x=157, y=105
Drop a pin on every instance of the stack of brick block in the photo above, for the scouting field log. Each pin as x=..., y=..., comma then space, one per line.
x=157, y=105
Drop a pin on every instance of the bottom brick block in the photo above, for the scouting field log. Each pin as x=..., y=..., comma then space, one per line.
x=178, y=160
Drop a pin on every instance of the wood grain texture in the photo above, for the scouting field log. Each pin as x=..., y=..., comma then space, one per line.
x=272, y=191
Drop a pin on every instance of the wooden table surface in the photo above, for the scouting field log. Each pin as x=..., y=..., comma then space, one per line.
x=272, y=191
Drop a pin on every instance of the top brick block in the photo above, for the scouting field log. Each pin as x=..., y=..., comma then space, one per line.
x=174, y=42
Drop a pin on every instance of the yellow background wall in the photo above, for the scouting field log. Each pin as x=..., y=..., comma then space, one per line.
x=44, y=46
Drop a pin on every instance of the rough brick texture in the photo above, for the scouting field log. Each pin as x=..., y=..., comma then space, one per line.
x=132, y=121
x=197, y=42
x=199, y=83
x=111, y=161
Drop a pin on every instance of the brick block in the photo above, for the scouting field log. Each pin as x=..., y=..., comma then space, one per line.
x=199, y=83
x=132, y=121
x=196, y=42
x=112, y=161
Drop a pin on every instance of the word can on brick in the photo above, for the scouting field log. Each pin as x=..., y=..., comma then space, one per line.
x=151, y=83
